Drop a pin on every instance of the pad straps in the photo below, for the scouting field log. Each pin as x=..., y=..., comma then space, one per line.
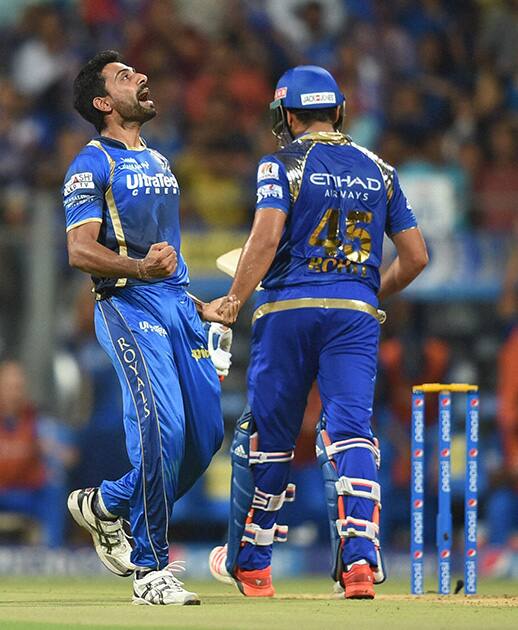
x=356, y=487
x=345, y=445
x=263, y=457
x=273, y=502
x=256, y=535
x=350, y=527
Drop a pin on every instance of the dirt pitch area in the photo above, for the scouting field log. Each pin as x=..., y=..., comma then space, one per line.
x=88, y=604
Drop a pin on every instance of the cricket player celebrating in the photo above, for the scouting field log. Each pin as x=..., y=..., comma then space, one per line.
x=122, y=205
x=323, y=206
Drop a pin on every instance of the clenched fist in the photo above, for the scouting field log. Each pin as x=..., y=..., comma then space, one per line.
x=160, y=262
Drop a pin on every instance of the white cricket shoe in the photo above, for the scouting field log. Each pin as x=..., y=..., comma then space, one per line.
x=110, y=540
x=163, y=588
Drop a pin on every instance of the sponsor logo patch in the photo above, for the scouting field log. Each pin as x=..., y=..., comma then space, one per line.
x=269, y=190
x=131, y=164
x=77, y=200
x=152, y=328
x=200, y=353
x=79, y=181
x=267, y=170
x=280, y=93
x=317, y=98
x=159, y=183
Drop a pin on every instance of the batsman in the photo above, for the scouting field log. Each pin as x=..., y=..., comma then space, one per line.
x=323, y=206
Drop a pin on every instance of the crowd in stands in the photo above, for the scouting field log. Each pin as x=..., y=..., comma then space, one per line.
x=431, y=86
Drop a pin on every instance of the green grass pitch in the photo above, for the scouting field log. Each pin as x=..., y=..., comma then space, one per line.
x=53, y=603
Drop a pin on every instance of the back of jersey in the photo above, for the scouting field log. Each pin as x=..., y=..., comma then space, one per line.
x=340, y=200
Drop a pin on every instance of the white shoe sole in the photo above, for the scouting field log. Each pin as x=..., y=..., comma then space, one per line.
x=73, y=507
x=139, y=601
x=226, y=579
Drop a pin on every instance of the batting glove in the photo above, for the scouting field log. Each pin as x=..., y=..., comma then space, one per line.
x=219, y=343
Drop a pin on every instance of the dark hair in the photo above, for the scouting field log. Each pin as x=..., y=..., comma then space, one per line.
x=308, y=116
x=90, y=83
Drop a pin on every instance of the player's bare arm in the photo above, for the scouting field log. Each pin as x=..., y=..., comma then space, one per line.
x=411, y=259
x=222, y=310
x=87, y=254
x=258, y=252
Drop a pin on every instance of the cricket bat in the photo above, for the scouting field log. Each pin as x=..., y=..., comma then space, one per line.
x=227, y=263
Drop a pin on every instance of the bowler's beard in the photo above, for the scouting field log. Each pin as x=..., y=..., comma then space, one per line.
x=135, y=112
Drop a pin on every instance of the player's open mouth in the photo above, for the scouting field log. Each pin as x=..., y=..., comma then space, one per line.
x=143, y=96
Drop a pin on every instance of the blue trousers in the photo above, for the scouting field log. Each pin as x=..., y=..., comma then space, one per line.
x=172, y=411
x=290, y=350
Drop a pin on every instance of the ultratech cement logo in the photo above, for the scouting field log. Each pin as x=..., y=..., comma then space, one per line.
x=159, y=183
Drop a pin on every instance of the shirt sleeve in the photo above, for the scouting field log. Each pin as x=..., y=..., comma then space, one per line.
x=400, y=215
x=273, y=190
x=83, y=191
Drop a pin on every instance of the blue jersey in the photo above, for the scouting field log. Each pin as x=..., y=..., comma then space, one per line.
x=340, y=199
x=133, y=194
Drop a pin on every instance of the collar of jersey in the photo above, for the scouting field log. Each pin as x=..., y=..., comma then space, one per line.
x=120, y=145
x=324, y=136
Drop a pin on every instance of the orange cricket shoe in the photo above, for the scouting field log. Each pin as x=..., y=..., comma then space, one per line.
x=256, y=583
x=359, y=582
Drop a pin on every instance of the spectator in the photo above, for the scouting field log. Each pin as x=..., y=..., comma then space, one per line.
x=35, y=453
x=44, y=59
x=304, y=23
x=497, y=185
x=437, y=189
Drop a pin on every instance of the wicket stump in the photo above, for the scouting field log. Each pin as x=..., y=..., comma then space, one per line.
x=417, y=494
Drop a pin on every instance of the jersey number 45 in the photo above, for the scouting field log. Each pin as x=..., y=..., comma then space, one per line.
x=356, y=242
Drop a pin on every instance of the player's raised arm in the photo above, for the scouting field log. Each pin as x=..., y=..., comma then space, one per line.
x=411, y=259
x=258, y=252
x=87, y=254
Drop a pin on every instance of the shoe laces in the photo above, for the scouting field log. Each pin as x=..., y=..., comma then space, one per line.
x=167, y=574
